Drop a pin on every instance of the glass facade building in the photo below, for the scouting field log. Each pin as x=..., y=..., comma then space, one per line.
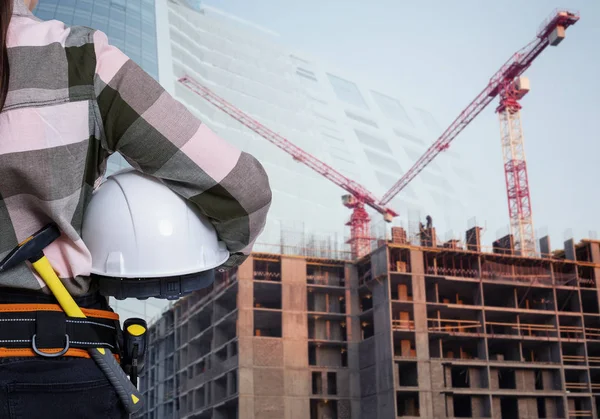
x=370, y=136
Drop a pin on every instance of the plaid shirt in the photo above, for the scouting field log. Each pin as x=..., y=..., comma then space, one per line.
x=73, y=100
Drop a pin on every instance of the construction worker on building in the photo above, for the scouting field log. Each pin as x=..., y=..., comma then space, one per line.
x=68, y=240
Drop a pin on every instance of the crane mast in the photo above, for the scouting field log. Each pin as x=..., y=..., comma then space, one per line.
x=515, y=166
x=507, y=84
x=358, y=197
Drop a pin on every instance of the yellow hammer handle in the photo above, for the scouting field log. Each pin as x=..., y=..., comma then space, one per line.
x=45, y=270
x=128, y=393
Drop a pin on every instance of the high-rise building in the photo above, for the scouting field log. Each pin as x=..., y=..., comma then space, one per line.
x=412, y=331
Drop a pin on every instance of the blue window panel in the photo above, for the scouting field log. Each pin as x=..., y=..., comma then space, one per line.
x=67, y=19
x=148, y=15
x=85, y=5
x=45, y=14
x=118, y=4
x=119, y=34
x=129, y=24
x=45, y=7
x=149, y=40
x=134, y=7
x=135, y=57
x=117, y=16
x=101, y=8
x=101, y=25
x=118, y=26
x=82, y=18
x=133, y=41
x=68, y=3
x=134, y=21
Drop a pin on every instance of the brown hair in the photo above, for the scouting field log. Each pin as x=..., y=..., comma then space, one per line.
x=5, y=16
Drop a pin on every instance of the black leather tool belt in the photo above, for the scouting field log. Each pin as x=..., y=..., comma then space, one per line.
x=45, y=330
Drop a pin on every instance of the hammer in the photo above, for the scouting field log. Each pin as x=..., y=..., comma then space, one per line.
x=32, y=250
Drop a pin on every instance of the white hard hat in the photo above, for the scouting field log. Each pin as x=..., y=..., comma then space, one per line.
x=147, y=241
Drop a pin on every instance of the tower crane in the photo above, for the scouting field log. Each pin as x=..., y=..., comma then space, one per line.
x=358, y=197
x=511, y=87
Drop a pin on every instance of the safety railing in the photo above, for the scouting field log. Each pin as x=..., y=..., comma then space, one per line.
x=403, y=325
x=580, y=414
x=573, y=359
x=522, y=329
x=571, y=332
x=456, y=272
x=454, y=326
x=325, y=280
x=579, y=387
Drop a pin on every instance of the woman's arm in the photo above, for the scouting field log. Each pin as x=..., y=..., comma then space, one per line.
x=159, y=136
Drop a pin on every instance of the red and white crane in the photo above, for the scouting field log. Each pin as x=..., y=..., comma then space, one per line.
x=359, y=196
x=511, y=87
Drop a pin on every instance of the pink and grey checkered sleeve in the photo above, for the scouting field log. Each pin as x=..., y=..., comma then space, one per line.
x=157, y=135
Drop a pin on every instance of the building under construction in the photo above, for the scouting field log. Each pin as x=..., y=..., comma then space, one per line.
x=416, y=329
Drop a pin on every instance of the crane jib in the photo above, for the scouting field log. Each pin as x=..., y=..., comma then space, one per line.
x=514, y=67
x=358, y=191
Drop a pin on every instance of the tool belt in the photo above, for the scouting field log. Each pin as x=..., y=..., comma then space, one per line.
x=45, y=330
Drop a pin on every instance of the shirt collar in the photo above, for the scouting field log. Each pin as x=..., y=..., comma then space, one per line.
x=19, y=8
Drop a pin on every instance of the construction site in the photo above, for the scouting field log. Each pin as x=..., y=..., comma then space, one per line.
x=403, y=324
x=411, y=330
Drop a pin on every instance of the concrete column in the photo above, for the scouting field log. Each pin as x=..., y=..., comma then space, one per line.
x=245, y=299
x=551, y=408
x=476, y=378
x=545, y=247
x=528, y=408
x=496, y=408
x=297, y=376
x=354, y=335
x=595, y=251
x=245, y=333
x=570, y=250
x=525, y=380
x=421, y=333
x=478, y=407
x=438, y=381
x=382, y=339
x=448, y=407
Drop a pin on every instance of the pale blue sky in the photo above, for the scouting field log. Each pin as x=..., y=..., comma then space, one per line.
x=440, y=54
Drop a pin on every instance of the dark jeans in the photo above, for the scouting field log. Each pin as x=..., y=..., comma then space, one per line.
x=55, y=388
